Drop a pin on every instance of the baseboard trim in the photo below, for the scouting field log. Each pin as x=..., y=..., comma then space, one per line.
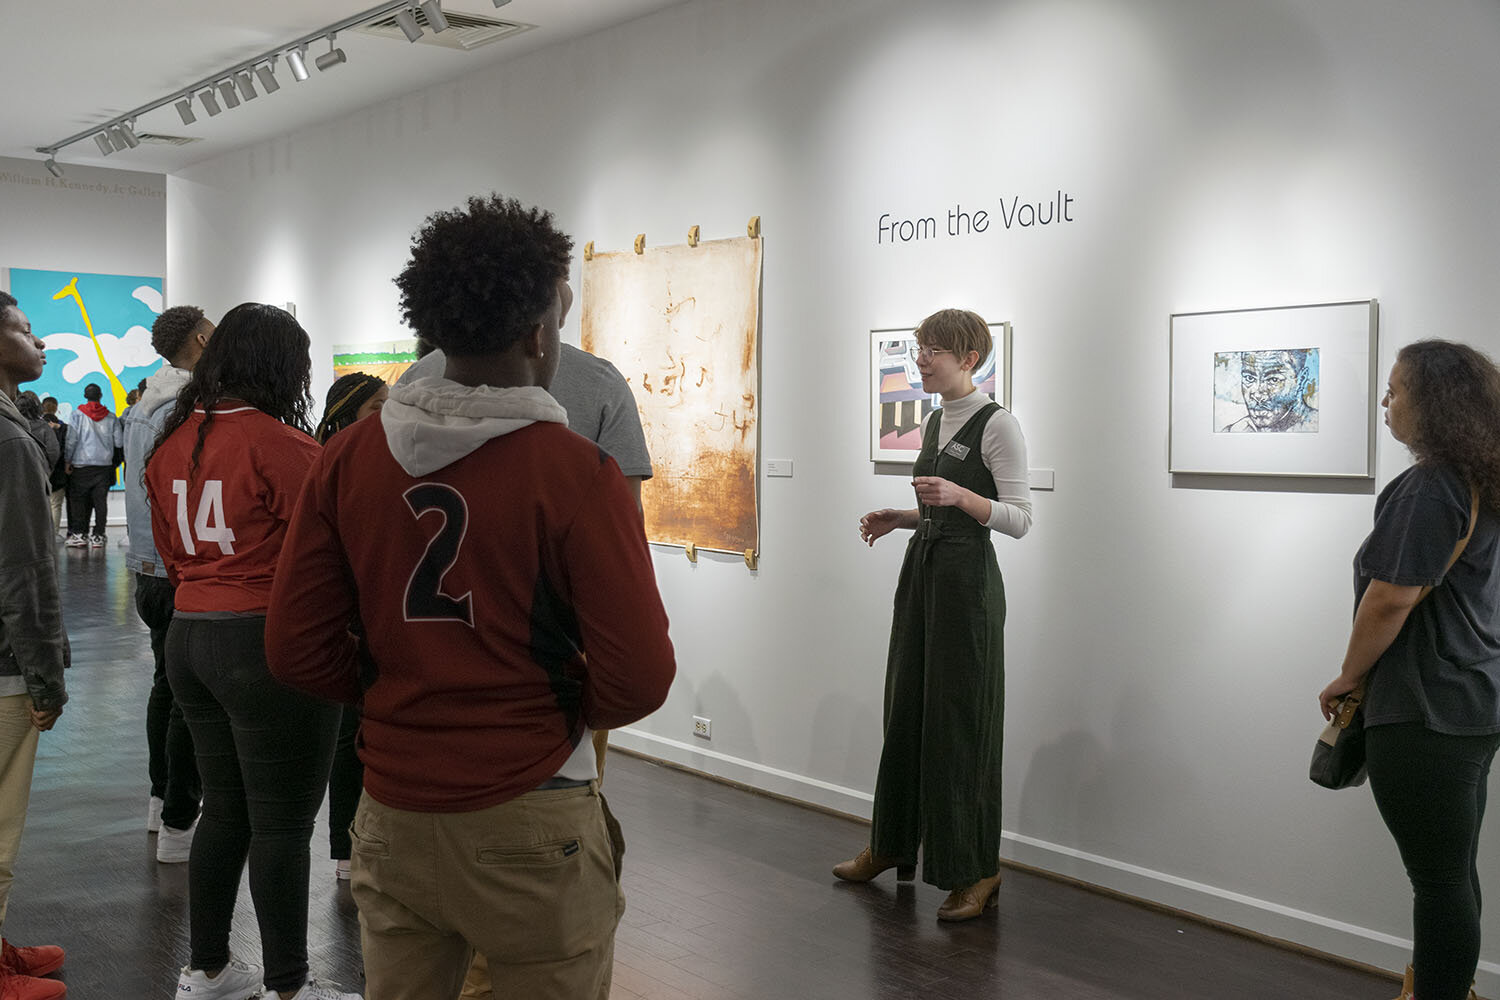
x=1283, y=926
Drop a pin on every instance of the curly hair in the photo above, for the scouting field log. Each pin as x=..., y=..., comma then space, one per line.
x=347, y=394
x=259, y=353
x=172, y=329
x=1455, y=394
x=7, y=300
x=480, y=276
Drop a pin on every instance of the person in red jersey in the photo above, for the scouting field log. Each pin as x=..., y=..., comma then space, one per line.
x=222, y=481
x=499, y=566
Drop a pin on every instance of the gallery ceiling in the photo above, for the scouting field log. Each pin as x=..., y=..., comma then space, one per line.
x=72, y=64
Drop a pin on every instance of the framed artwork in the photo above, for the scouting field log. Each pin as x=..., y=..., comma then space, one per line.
x=897, y=402
x=386, y=359
x=1285, y=391
x=682, y=324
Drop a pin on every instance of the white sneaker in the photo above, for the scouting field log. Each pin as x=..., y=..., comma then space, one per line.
x=342, y=870
x=76, y=542
x=96, y=541
x=173, y=847
x=236, y=981
x=153, y=814
x=315, y=989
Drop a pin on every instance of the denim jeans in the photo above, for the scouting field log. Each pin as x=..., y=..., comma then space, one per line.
x=169, y=745
x=263, y=753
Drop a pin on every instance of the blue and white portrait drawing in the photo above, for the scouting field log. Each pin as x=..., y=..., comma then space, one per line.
x=1266, y=392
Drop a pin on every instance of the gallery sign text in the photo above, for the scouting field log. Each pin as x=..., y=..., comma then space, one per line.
x=1013, y=213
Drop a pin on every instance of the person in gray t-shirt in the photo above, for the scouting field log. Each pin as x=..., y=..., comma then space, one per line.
x=599, y=403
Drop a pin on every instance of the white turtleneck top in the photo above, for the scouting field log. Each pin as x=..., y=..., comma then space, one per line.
x=1004, y=452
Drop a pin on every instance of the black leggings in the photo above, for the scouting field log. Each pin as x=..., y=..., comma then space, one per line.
x=1430, y=789
x=263, y=753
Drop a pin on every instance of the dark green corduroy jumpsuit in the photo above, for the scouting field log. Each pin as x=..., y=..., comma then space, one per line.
x=939, y=779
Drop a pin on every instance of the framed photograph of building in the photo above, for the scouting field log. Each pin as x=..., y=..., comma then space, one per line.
x=1285, y=391
x=897, y=402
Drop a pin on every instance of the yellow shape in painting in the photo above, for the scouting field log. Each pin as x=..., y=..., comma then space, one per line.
x=117, y=391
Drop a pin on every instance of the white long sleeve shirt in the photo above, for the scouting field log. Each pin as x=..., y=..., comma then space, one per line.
x=1003, y=449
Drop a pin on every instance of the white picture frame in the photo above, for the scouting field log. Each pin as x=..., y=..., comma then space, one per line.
x=1278, y=391
x=897, y=402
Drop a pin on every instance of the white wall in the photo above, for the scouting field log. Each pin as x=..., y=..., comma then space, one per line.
x=1165, y=644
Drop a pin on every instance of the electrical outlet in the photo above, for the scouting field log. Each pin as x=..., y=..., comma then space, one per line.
x=701, y=727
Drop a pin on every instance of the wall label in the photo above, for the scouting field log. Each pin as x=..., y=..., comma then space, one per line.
x=1013, y=214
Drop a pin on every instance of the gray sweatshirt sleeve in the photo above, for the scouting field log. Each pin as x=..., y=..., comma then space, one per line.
x=32, y=639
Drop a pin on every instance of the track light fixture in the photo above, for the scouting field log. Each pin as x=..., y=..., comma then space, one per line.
x=407, y=22
x=294, y=59
x=331, y=58
x=229, y=86
x=501, y=3
x=436, y=20
x=267, y=76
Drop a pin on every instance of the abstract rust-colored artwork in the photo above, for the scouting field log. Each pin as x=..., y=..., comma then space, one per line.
x=682, y=324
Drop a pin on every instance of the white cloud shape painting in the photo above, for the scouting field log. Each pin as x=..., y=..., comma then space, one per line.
x=148, y=297
x=133, y=350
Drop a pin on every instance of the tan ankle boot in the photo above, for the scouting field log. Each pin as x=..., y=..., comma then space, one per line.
x=1406, y=984
x=966, y=904
x=865, y=866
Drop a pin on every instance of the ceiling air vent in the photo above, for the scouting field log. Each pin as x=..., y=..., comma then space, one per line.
x=166, y=140
x=465, y=31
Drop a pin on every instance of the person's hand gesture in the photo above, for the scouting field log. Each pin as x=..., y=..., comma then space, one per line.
x=934, y=491
x=877, y=523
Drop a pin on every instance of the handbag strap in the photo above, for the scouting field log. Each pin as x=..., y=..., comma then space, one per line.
x=1351, y=701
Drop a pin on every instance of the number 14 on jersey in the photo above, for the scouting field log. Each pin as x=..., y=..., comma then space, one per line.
x=209, y=525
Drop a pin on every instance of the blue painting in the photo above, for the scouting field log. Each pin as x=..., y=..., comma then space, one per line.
x=1266, y=392
x=97, y=328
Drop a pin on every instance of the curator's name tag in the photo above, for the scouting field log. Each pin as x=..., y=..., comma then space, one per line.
x=958, y=451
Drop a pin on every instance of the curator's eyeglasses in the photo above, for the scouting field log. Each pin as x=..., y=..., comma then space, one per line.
x=919, y=353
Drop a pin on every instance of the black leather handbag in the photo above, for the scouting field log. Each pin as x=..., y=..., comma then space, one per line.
x=1338, y=759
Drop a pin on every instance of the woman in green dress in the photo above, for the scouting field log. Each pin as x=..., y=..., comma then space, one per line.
x=938, y=786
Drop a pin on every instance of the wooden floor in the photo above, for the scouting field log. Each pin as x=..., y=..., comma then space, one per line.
x=729, y=893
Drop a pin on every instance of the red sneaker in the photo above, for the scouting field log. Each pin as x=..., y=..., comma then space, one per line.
x=14, y=987
x=37, y=961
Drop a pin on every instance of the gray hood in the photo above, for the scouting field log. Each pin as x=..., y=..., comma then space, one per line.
x=162, y=387
x=432, y=422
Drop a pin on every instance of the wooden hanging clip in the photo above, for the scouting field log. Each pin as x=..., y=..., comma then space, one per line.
x=692, y=552
x=640, y=243
x=754, y=227
x=752, y=558
x=588, y=250
x=693, y=236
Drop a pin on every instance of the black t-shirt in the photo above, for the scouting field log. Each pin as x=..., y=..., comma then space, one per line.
x=1443, y=670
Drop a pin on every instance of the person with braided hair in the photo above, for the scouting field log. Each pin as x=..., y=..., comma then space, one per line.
x=351, y=398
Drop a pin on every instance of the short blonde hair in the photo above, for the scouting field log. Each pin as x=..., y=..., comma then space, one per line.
x=956, y=330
